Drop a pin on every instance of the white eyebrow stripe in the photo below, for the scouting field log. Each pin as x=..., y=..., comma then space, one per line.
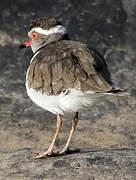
x=57, y=29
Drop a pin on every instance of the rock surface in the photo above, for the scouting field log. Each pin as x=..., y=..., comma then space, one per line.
x=88, y=165
x=107, y=25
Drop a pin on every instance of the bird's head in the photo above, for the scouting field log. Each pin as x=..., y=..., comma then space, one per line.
x=43, y=31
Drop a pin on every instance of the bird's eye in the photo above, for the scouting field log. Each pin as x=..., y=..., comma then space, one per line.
x=35, y=35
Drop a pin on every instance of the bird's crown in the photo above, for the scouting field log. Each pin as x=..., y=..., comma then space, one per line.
x=47, y=25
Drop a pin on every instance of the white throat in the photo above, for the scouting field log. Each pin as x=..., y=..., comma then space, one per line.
x=57, y=29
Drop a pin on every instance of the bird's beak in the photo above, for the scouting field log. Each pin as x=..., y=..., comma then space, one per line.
x=26, y=44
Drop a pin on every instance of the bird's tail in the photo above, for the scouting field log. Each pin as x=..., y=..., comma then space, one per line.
x=118, y=91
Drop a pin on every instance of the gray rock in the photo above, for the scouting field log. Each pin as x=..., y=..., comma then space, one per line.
x=89, y=164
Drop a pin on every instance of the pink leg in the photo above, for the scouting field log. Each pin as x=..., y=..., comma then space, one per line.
x=50, y=152
x=74, y=123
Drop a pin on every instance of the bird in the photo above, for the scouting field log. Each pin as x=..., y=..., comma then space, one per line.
x=64, y=76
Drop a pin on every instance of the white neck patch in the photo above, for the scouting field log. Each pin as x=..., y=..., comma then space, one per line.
x=57, y=29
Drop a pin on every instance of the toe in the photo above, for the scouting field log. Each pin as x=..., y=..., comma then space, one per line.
x=47, y=153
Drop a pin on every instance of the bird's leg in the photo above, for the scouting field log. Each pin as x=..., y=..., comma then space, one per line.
x=74, y=123
x=50, y=152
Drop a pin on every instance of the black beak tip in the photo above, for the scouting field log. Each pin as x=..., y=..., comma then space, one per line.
x=22, y=46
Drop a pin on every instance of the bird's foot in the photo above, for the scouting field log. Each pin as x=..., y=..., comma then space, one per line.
x=47, y=153
x=64, y=151
x=50, y=153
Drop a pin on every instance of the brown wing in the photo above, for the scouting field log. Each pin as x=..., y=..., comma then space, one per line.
x=98, y=76
x=66, y=65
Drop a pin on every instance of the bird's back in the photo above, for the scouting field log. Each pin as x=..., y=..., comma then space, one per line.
x=66, y=64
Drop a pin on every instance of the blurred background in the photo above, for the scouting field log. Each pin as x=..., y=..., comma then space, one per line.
x=107, y=25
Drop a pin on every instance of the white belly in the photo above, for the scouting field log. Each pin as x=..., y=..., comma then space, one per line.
x=73, y=101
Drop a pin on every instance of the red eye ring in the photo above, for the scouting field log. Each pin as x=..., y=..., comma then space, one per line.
x=35, y=35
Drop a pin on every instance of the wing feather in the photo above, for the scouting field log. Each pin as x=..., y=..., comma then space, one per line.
x=67, y=65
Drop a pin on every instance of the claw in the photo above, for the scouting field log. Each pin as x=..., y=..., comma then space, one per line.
x=64, y=151
x=47, y=153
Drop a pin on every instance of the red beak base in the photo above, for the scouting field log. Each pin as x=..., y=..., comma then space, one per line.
x=27, y=43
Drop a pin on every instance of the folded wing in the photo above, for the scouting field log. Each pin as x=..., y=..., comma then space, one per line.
x=69, y=65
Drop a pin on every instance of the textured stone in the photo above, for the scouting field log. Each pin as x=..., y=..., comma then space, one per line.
x=89, y=164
